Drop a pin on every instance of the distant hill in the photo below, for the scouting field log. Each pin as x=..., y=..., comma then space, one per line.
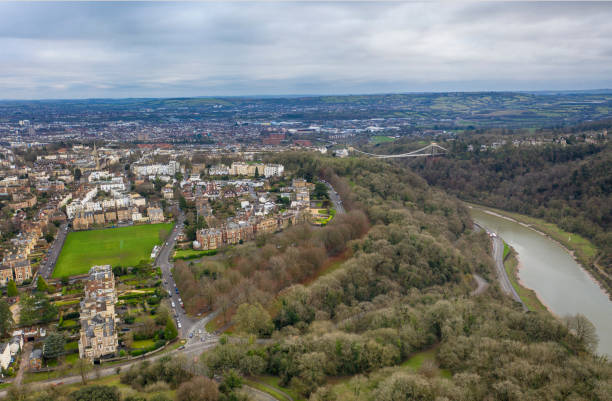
x=452, y=110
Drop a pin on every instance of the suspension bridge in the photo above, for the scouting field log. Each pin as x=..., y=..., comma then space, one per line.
x=433, y=149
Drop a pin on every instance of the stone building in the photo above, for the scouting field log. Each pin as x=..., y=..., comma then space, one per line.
x=98, y=336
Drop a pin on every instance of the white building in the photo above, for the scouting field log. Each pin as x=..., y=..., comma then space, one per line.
x=273, y=170
x=5, y=355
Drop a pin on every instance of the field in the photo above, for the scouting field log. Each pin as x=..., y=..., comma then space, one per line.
x=122, y=246
x=381, y=139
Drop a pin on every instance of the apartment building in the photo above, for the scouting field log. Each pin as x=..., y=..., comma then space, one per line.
x=98, y=336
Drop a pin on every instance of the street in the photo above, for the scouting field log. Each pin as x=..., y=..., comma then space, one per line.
x=335, y=198
x=163, y=261
x=192, y=329
x=190, y=351
x=46, y=268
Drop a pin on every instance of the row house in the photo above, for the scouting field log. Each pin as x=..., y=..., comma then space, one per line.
x=50, y=186
x=234, y=233
x=156, y=214
x=22, y=201
x=15, y=267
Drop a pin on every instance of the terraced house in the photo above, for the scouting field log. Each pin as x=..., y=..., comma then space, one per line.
x=98, y=337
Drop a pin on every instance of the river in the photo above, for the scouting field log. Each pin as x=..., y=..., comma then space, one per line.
x=548, y=269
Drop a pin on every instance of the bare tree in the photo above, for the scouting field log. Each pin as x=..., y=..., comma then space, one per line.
x=583, y=329
x=84, y=367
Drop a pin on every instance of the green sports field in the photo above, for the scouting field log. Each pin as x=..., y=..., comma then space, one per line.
x=124, y=246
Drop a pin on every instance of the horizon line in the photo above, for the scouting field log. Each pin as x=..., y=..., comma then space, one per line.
x=311, y=95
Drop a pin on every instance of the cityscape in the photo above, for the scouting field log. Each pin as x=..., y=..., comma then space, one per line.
x=289, y=201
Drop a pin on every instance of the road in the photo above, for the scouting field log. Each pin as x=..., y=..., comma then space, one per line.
x=46, y=268
x=504, y=281
x=194, y=330
x=335, y=198
x=163, y=261
x=190, y=351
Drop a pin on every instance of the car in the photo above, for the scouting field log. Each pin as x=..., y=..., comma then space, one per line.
x=176, y=290
x=190, y=335
x=181, y=347
x=173, y=305
x=179, y=325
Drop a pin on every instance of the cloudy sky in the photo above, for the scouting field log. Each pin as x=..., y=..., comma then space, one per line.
x=77, y=50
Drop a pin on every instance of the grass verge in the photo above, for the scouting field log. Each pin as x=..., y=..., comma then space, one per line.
x=529, y=297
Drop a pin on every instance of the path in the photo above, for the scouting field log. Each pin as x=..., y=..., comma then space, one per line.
x=25, y=356
x=286, y=396
x=482, y=285
x=258, y=395
x=190, y=351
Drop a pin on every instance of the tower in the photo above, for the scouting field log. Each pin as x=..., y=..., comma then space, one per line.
x=96, y=158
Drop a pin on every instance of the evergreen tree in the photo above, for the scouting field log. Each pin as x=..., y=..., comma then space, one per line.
x=41, y=284
x=170, y=332
x=11, y=289
x=54, y=346
x=6, y=319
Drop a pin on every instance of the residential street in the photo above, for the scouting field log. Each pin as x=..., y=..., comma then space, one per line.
x=46, y=268
x=192, y=351
x=163, y=261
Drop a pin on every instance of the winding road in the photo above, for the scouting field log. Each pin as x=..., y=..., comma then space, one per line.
x=504, y=280
x=335, y=198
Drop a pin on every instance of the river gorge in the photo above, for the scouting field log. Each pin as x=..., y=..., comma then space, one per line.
x=549, y=269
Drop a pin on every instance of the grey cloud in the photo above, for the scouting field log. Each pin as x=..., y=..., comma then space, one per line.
x=187, y=49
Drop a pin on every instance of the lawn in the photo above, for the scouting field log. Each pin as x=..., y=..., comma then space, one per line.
x=381, y=139
x=187, y=254
x=72, y=345
x=415, y=362
x=125, y=246
x=67, y=302
x=143, y=344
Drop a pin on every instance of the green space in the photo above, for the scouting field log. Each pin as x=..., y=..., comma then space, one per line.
x=71, y=346
x=72, y=358
x=143, y=344
x=416, y=361
x=324, y=220
x=123, y=246
x=506, y=250
x=266, y=389
x=381, y=139
x=124, y=389
x=270, y=385
x=67, y=302
x=68, y=323
x=528, y=296
x=186, y=254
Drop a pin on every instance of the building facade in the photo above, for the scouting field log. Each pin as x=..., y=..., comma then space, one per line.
x=98, y=336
